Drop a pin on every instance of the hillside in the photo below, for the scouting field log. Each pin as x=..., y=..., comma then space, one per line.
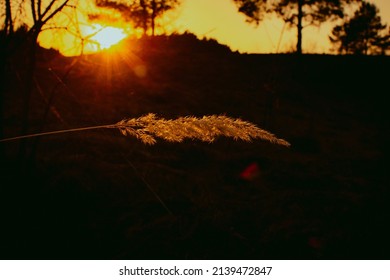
x=99, y=195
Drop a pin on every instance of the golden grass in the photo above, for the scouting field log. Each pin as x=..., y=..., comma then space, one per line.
x=207, y=129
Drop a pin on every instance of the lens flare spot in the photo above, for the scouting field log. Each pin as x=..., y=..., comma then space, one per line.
x=140, y=71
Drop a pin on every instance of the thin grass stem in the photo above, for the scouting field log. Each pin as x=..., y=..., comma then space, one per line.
x=57, y=132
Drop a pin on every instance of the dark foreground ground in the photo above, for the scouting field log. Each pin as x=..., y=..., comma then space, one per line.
x=99, y=195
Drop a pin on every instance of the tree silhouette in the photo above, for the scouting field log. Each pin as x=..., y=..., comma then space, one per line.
x=8, y=20
x=5, y=32
x=254, y=10
x=141, y=13
x=363, y=33
x=295, y=13
x=42, y=13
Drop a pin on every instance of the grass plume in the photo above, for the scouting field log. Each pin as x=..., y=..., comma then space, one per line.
x=207, y=129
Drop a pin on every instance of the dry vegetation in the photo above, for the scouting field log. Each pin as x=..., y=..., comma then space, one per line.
x=205, y=129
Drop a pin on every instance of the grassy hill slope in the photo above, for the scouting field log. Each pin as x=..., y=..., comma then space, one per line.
x=100, y=195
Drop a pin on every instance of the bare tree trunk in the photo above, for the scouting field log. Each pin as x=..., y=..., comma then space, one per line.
x=8, y=24
x=299, y=26
x=144, y=16
x=28, y=89
x=153, y=16
x=41, y=17
x=5, y=38
x=3, y=86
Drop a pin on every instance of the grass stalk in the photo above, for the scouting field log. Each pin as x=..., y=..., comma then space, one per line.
x=207, y=129
x=56, y=132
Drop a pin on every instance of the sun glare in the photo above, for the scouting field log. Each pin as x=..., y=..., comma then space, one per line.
x=106, y=37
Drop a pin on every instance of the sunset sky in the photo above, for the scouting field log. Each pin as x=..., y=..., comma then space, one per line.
x=220, y=20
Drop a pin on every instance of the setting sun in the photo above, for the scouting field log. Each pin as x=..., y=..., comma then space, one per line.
x=106, y=37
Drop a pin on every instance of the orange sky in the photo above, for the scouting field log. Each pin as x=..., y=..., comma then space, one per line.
x=219, y=19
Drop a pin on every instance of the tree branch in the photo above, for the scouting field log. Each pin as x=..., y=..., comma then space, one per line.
x=55, y=11
x=33, y=11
